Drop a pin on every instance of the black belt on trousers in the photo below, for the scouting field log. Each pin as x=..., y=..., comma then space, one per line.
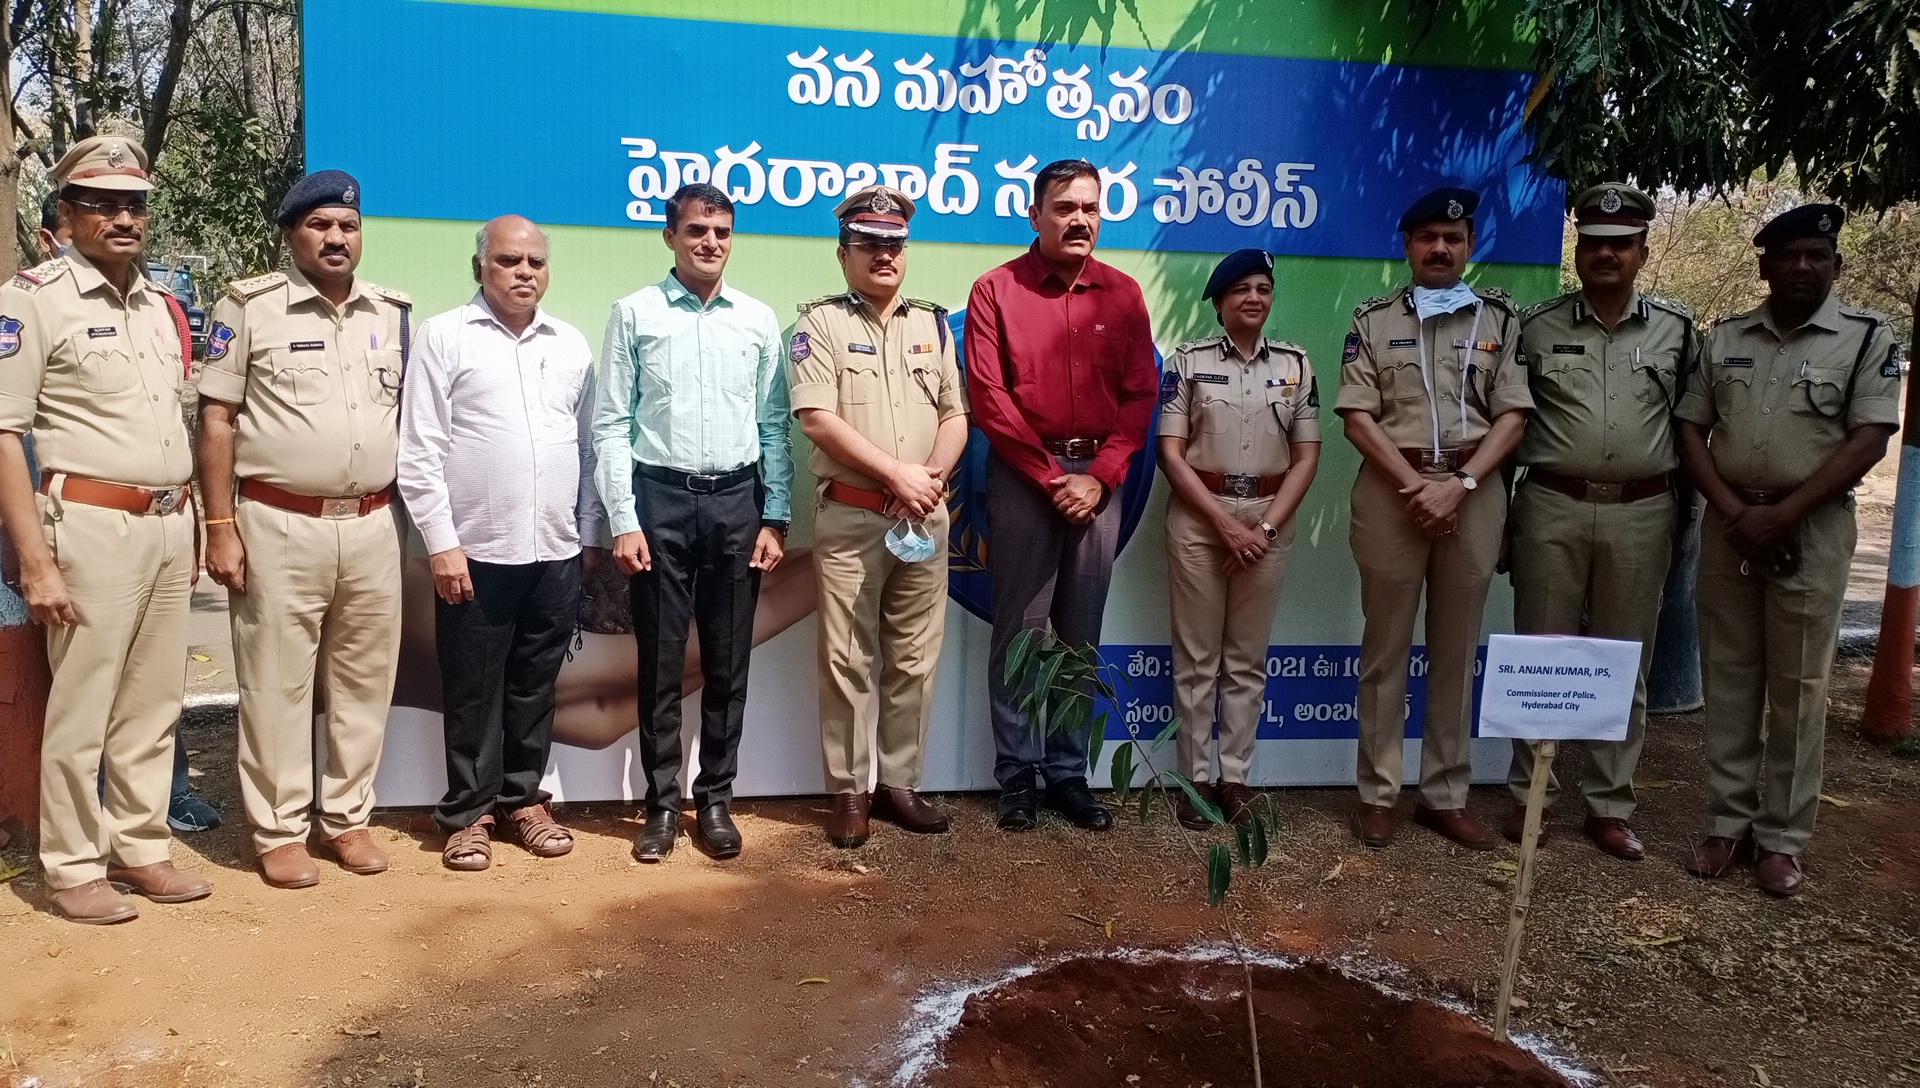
x=1078, y=448
x=697, y=482
x=1596, y=491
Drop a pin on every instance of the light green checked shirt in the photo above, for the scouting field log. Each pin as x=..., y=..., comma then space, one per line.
x=701, y=388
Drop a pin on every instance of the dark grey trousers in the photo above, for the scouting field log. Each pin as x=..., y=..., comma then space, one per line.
x=1046, y=571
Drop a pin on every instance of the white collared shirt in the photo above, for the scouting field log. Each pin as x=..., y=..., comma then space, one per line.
x=496, y=451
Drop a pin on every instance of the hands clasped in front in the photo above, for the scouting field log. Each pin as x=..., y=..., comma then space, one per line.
x=1434, y=505
x=1077, y=496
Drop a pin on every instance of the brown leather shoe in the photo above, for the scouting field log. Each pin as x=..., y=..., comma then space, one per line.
x=908, y=810
x=94, y=903
x=1456, y=826
x=160, y=882
x=1717, y=855
x=289, y=866
x=847, y=825
x=1372, y=824
x=1190, y=817
x=1778, y=874
x=357, y=853
x=1514, y=827
x=1614, y=836
x=1237, y=800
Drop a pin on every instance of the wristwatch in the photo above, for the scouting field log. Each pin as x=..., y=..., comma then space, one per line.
x=1269, y=530
x=1466, y=481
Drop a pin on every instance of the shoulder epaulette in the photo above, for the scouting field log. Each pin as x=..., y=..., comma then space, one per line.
x=1733, y=315
x=398, y=298
x=1671, y=305
x=925, y=304
x=821, y=301
x=242, y=290
x=1373, y=303
x=1861, y=313
x=32, y=279
x=1498, y=297
x=1545, y=305
x=1201, y=342
x=1287, y=345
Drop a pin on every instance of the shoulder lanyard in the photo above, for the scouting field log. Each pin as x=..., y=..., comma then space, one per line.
x=1466, y=368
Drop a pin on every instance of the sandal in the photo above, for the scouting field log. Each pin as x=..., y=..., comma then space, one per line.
x=537, y=831
x=470, y=849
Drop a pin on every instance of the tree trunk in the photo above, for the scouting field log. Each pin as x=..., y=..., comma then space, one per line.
x=82, y=68
x=160, y=112
x=9, y=157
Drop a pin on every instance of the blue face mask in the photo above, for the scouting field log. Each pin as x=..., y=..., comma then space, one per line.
x=910, y=540
x=1434, y=301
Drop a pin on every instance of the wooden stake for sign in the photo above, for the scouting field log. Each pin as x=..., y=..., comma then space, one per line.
x=1523, y=883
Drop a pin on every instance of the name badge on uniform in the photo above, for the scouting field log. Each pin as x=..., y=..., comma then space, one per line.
x=307, y=345
x=1407, y=343
x=1211, y=379
x=922, y=349
x=1738, y=360
x=863, y=349
x=99, y=331
x=1569, y=349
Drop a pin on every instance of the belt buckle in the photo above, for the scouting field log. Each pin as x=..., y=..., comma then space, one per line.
x=1239, y=487
x=340, y=508
x=703, y=483
x=1599, y=492
x=164, y=502
x=1439, y=460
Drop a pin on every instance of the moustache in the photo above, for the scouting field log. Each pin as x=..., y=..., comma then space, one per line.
x=1077, y=233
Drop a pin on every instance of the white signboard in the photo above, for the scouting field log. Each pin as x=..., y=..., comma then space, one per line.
x=1558, y=687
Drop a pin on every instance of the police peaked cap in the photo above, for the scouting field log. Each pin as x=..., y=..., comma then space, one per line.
x=1806, y=221
x=1612, y=209
x=1449, y=204
x=320, y=189
x=1241, y=262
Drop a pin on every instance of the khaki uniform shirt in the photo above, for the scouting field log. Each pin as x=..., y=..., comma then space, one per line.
x=1381, y=371
x=1779, y=404
x=1604, y=399
x=894, y=384
x=318, y=390
x=1238, y=415
x=95, y=376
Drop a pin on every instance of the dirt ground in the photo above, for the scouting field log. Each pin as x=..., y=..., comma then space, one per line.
x=798, y=964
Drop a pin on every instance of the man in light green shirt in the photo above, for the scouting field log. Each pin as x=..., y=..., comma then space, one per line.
x=695, y=470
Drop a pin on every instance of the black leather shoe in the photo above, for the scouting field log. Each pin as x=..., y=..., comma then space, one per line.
x=656, y=839
x=718, y=837
x=1072, y=799
x=1018, y=804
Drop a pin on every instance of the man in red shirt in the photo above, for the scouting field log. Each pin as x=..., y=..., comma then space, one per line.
x=1061, y=377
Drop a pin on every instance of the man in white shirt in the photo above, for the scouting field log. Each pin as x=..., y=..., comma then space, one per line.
x=496, y=466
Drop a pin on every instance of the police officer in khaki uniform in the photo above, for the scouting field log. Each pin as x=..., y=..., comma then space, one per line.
x=1239, y=444
x=1594, y=520
x=299, y=407
x=1794, y=402
x=1433, y=395
x=877, y=390
x=91, y=362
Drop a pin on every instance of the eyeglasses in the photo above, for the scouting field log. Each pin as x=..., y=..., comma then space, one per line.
x=879, y=249
x=112, y=210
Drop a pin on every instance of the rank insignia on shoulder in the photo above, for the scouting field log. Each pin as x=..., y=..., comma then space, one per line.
x=1169, y=386
x=922, y=349
x=1737, y=360
x=9, y=336
x=797, y=348
x=1210, y=379
x=863, y=349
x=1891, y=368
x=1569, y=349
x=1351, y=350
x=219, y=339
x=1406, y=343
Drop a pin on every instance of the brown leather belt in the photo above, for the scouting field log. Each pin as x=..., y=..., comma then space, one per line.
x=1240, y=487
x=133, y=500
x=315, y=506
x=1594, y=491
x=875, y=501
x=1080, y=449
x=1424, y=460
x=1763, y=498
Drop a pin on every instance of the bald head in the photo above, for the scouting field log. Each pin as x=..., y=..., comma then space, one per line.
x=510, y=264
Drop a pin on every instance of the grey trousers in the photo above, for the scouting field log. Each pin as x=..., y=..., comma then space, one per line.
x=1045, y=570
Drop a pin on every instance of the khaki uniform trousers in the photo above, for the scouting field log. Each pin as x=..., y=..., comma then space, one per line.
x=1222, y=625
x=874, y=604
x=1766, y=649
x=1597, y=569
x=118, y=678
x=1396, y=560
x=323, y=597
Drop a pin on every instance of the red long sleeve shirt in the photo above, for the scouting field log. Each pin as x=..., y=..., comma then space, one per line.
x=1046, y=362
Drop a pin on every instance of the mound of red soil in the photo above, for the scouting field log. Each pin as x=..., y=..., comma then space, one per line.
x=1099, y=1023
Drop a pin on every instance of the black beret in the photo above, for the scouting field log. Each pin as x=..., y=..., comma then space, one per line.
x=1241, y=262
x=1447, y=204
x=1806, y=221
x=320, y=189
